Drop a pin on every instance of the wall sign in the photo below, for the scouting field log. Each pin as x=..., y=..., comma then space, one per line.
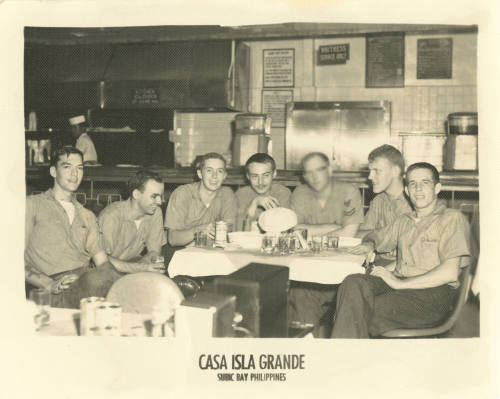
x=278, y=67
x=434, y=58
x=144, y=96
x=333, y=54
x=274, y=105
x=385, y=60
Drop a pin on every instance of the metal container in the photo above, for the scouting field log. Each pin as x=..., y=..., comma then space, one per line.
x=251, y=135
x=461, y=152
x=462, y=123
x=423, y=147
x=220, y=232
x=345, y=131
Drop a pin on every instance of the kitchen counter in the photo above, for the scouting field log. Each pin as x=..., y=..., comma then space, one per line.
x=451, y=181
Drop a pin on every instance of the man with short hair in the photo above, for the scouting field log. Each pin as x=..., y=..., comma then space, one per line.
x=134, y=225
x=386, y=165
x=197, y=206
x=61, y=237
x=419, y=289
x=323, y=206
x=78, y=127
x=262, y=193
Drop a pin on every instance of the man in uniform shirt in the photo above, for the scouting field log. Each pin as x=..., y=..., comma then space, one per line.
x=323, y=206
x=386, y=165
x=419, y=289
x=83, y=142
x=262, y=193
x=197, y=206
x=129, y=227
x=61, y=237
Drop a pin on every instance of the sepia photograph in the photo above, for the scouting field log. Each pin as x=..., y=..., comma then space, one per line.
x=251, y=199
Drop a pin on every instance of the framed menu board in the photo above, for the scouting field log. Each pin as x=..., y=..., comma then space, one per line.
x=434, y=58
x=385, y=60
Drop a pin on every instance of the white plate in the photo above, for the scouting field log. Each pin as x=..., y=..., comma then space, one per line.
x=278, y=219
x=345, y=242
x=126, y=165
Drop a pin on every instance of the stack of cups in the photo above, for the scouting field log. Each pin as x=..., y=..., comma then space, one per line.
x=99, y=317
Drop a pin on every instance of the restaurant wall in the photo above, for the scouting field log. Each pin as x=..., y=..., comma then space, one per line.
x=421, y=105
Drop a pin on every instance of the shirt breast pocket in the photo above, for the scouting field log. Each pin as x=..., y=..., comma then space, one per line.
x=426, y=253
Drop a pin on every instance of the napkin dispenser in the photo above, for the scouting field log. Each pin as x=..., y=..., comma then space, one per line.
x=261, y=292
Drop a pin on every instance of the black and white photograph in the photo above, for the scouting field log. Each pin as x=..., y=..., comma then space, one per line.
x=250, y=205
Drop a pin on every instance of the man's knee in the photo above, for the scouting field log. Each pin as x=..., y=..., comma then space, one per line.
x=353, y=282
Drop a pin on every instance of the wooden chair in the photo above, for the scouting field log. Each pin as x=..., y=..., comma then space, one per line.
x=465, y=282
x=144, y=292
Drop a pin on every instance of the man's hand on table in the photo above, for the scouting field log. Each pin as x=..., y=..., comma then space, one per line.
x=62, y=283
x=208, y=228
x=365, y=248
x=390, y=279
x=151, y=264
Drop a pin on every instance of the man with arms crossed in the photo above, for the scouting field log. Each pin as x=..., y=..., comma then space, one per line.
x=323, y=206
x=197, y=206
x=262, y=193
x=419, y=289
x=129, y=227
x=61, y=237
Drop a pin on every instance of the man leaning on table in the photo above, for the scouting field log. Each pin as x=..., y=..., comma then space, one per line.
x=262, y=194
x=419, y=289
x=134, y=226
x=61, y=237
x=323, y=206
x=197, y=206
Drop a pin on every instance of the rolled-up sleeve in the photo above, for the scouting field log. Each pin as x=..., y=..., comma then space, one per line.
x=156, y=237
x=93, y=243
x=229, y=206
x=353, y=207
x=109, y=228
x=177, y=208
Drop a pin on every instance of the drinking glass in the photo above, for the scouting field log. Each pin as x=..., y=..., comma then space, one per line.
x=333, y=242
x=201, y=239
x=283, y=244
x=292, y=244
x=316, y=244
x=267, y=244
x=41, y=298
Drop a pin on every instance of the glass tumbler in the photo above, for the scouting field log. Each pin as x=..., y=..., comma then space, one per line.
x=41, y=298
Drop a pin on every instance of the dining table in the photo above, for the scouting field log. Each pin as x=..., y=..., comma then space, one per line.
x=327, y=267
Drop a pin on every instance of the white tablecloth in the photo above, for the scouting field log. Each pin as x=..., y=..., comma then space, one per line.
x=329, y=267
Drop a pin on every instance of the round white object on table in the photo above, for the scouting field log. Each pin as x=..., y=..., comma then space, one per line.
x=276, y=220
x=246, y=239
x=345, y=242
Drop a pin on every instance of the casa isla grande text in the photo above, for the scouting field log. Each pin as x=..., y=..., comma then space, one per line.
x=242, y=361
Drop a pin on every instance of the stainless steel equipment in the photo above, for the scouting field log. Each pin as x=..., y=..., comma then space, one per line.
x=251, y=135
x=461, y=145
x=346, y=131
x=196, y=133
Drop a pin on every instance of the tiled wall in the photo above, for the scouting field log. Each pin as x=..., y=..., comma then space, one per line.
x=422, y=105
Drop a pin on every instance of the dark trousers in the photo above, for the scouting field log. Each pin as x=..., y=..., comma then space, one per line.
x=367, y=306
x=312, y=303
x=92, y=282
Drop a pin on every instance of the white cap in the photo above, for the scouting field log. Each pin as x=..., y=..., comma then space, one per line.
x=76, y=120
